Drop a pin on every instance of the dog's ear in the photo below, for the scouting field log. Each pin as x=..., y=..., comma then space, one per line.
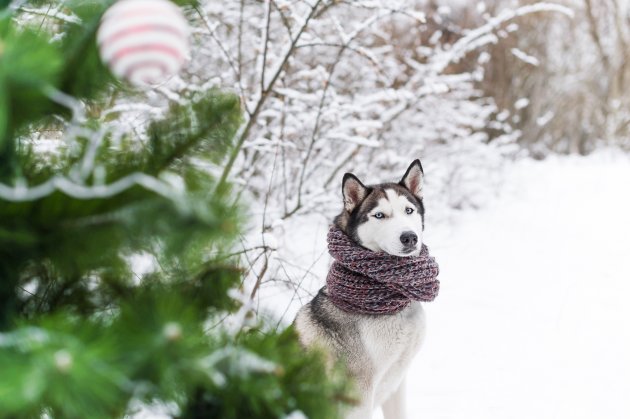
x=354, y=192
x=413, y=179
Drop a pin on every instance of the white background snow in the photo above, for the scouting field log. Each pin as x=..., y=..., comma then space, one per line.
x=532, y=316
x=532, y=319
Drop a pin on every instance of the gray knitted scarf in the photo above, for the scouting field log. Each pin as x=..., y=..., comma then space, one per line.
x=365, y=282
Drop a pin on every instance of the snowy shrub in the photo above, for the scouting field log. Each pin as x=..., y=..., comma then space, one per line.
x=362, y=86
x=334, y=86
x=563, y=81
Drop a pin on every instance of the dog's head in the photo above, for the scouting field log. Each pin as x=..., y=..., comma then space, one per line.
x=388, y=217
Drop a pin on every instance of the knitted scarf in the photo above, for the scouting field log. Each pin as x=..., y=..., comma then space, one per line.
x=365, y=282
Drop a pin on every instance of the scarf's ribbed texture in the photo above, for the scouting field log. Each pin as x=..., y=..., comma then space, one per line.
x=366, y=282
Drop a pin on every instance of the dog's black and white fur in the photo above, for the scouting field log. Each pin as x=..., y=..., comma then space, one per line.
x=377, y=349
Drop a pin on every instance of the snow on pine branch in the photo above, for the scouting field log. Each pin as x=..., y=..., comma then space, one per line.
x=242, y=363
x=48, y=12
x=23, y=193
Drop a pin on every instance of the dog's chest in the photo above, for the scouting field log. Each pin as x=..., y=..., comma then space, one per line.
x=392, y=341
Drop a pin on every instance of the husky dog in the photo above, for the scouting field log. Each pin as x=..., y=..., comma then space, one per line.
x=377, y=349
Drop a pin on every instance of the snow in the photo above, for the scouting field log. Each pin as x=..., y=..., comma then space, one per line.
x=531, y=318
x=529, y=59
x=242, y=363
x=21, y=193
x=521, y=103
x=50, y=12
x=296, y=414
x=544, y=120
x=482, y=35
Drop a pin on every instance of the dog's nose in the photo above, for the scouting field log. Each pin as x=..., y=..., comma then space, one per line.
x=409, y=238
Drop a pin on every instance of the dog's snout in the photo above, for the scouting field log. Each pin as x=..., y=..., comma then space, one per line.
x=409, y=238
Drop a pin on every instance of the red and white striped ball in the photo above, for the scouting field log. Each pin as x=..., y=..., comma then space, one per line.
x=143, y=41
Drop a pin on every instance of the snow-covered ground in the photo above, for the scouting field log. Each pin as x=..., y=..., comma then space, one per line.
x=533, y=317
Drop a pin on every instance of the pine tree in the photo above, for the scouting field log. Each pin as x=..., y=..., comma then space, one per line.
x=80, y=335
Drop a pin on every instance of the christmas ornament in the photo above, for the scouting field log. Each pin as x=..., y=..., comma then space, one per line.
x=143, y=41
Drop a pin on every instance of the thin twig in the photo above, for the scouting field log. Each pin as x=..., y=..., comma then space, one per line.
x=594, y=32
x=235, y=68
x=298, y=286
x=263, y=98
x=315, y=132
x=265, y=45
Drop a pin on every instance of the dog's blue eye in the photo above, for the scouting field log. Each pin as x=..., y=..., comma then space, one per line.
x=409, y=210
x=379, y=215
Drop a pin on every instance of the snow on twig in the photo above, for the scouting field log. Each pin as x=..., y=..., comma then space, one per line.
x=526, y=58
x=477, y=37
x=50, y=12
